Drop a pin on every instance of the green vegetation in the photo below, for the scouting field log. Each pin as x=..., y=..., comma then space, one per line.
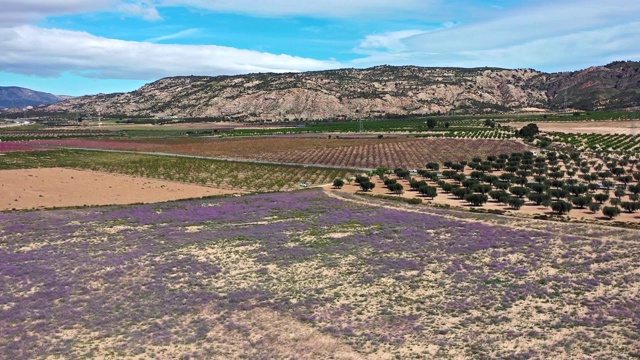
x=223, y=174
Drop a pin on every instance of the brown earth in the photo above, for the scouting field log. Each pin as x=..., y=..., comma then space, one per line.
x=58, y=187
x=591, y=127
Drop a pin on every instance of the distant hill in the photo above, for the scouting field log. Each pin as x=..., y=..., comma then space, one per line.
x=13, y=96
x=381, y=91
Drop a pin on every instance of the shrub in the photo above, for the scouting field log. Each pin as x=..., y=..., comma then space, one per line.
x=433, y=166
x=460, y=193
x=396, y=188
x=519, y=191
x=515, y=203
x=415, y=201
x=476, y=199
x=601, y=198
x=428, y=191
x=630, y=206
x=561, y=207
x=338, y=183
x=581, y=201
x=529, y=131
x=366, y=185
x=538, y=198
x=610, y=211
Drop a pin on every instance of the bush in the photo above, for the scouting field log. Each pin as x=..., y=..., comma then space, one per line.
x=529, y=131
x=500, y=196
x=460, y=193
x=433, y=166
x=538, y=198
x=428, y=191
x=338, y=183
x=561, y=207
x=581, y=201
x=515, y=203
x=519, y=191
x=610, y=211
x=601, y=198
x=594, y=207
x=415, y=201
x=366, y=185
x=476, y=199
x=396, y=188
x=630, y=206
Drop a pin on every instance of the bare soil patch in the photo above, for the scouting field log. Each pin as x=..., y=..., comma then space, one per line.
x=58, y=187
x=589, y=127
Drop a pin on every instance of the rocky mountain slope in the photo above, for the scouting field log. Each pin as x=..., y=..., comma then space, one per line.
x=18, y=97
x=382, y=91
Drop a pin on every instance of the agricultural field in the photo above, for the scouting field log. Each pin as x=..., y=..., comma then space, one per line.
x=284, y=274
x=241, y=176
x=548, y=184
x=625, y=127
x=58, y=187
x=361, y=153
x=600, y=143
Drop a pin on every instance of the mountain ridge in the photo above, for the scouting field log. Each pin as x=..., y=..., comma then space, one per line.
x=20, y=97
x=377, y=92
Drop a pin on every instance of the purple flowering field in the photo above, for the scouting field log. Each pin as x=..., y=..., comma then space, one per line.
x=305, y=275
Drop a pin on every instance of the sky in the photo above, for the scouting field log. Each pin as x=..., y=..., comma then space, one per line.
x=81, y=47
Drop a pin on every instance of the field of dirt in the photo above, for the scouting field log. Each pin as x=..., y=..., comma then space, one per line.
x=58, y=187
x=590, y=127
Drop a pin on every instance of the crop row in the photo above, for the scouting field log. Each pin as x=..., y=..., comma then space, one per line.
x=350, y=153
x=482, y=134
x=222, y=174
x=598, y=142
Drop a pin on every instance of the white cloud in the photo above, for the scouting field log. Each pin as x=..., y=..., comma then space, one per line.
x=313, y=8
x=17, y=12
x=49, y=52
x=390, y=41
x=178, y=35
x=553, y=36
x=143, y=9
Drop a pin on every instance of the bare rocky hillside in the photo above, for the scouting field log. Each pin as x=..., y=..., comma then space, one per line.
x=382, y=91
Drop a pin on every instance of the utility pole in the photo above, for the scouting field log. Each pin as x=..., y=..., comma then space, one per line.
x=633, y=124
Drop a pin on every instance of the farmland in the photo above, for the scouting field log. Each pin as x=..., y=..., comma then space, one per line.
x=218, y=174
x=321, y=273
x=549, y=184
x=57, y=187
x=230, y=277
x=349, y=153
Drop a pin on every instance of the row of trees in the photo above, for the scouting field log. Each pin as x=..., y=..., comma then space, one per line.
x=550, y=181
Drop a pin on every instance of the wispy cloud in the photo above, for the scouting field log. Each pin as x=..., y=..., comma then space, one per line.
x=143, y=9
x=49, y=52
x=18, y=12
x=178, y=35
x=551, y=36
x=325, y=8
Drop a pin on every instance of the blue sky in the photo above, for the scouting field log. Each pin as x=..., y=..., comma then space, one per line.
x=78, y=47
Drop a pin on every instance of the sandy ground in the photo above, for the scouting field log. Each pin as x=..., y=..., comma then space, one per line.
x=57, y=187
x=594, y=127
